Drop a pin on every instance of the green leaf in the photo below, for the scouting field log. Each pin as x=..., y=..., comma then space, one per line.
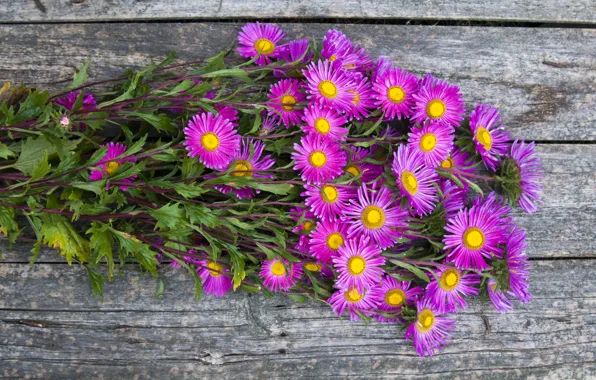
x=160, y=122
x=80, y=76
x=160, y=288
x=234, y=72
x=95, y=186
x=191, y=168
x=473, y=186
x=278, y=189
x=201, y=215
x=57, y=232
x=189, y=191
x=33, y=150
x=96, y=282
x=101, y=243
x=168, y=216
x=298, y=298
x=42, y=168
x=415, y=270
x=5, y=152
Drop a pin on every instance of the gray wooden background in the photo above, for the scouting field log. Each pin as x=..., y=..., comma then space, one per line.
x=535, y=59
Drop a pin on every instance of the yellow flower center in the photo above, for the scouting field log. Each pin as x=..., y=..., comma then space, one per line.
x=396, y=94
x=242, y=168
x=308, y=226
x=330, y=193
x=111, y=167
x=356, y=97
x=493, y=286
x=317, y=159
x=328, y=89
x=435, y=108
x=484, y=138
x=288, y=102
x=312, y=267
x=448, y=163
x=264, y=46
x=356, y=265
x=332, y=58
x=426, y=320
x=373, y=217
x=353, y=170
x=353, y=296
x=278, y=269
x=335, y=240
x=214, y=268
x=473, y=238
x=428, y=142
x=210, y=141
x=449, y=279
x=409, y=182
x=395, y=297
x=322, y=126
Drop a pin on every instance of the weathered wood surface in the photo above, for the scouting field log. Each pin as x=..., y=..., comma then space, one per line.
x=51, y=327
x=567, y=11
x=543, y=80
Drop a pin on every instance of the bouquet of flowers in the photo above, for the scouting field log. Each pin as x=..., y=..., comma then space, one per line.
x=299, y=167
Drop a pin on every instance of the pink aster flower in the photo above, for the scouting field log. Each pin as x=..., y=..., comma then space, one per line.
x=325, y=122
x=430, y=331
x=279, y=274
x=328, y=201
x=394, y=92
x=109, y=164
x=269, y=124
x=453, y=198
x=70, y=99
x=358, y=265
x=357, y=302
x=326, y=240
x=461, y=164
x=362, y=101
x=357, y=166
x=393, y=295
x=227, y=112
x=373, y=214
x=296, y=51
x=285, y=97
x=260, y=39
x=449, y=287
x=434, y=141
x=529, y=172
x=248, y=163
x=415, y=179
x=489, y=135
x=216, y=280
x=381, y=67
x=438, y=101
x=319, y=160
x=338, y=49
x=328, y=86
x=213, y=139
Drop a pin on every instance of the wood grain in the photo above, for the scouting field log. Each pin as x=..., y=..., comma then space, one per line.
x=568, y=11
x=543, y=80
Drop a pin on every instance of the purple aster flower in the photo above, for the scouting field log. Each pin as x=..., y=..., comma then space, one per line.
x=269, y=124
x=362, y=101
x=431, y=331
x=434, y=141
x=394, y=91
x=437, y=100
x=328, y=201
x=453, y=198
x=356, y=302
x=450, y=286
x=227, y=112
x=70, y=99
x=213, y=139
x=368, y=171
x=319, y=160
x=529, y=173
x=326, y=240
x=489, y=136
x=383, y=65
x=296, y=51
x=328, y=86
x=216, y=280
x=280, y=275
x=338, y=48
x=260, y=39
x=460, y=162
x=109, y=164
x=393, y=294
x=248, y=163
x=358, y=265
x=415, y=180
x=373, y=214
x=285, y=95
x=325, y=122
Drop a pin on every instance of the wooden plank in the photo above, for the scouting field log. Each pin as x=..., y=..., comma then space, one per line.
x=568, y=11
x=543, y=80
x=52, y=327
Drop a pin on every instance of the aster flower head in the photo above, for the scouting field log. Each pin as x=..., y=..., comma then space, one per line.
x=393, y=295
x=327, y=239
x=358, y=264
x=362, y=101
x=325, y=122
x=453, y=197
x=109, y=164
x=357, y=166
x=285, y=95
x=248, y=163
x=215, y=277
x=434, y=141
x=296, y=50
x=431, y=330
x=328, y=85
x=460, y=162
x=438, y=101
x=318, y=159
x=489, y=136
x=383, y=64
x=394, y=90
x=356, y=302
x=260, y=39
x=269, y=124
x=212, y=138
x=70, y=99
x=449, y=287
x=329, y=200
x=374, y=214
x=414, y=179
x=227, y=112
x=279, y=274
x=338, y=48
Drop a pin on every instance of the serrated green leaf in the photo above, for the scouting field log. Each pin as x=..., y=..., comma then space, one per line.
x=168, y=216
x=160, y=122
x=5, y=152
x=96, y=282
x=42, y=168
x=57, y=232
x=101, y=242
x=80, y=76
